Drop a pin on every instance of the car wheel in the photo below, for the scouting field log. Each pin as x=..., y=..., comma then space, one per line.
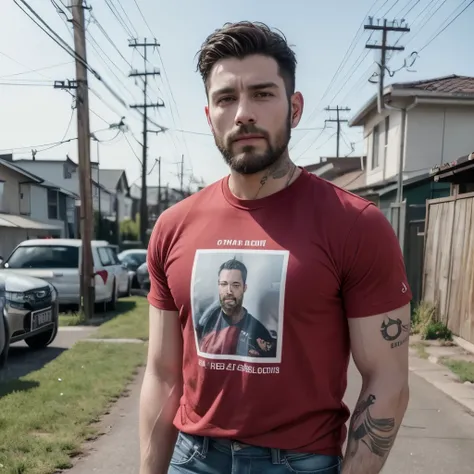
x=6, y=345
x=42, y=340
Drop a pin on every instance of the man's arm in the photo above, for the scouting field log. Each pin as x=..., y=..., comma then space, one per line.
x=380, y=350
x=161, y=392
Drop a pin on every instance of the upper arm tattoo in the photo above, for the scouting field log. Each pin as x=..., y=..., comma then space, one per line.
x=378, y=434
x=394, y=331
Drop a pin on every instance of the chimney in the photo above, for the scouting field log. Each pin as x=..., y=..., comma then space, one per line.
x=7, y=157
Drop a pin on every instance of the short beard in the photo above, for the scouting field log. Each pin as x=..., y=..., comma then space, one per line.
x=253, y=162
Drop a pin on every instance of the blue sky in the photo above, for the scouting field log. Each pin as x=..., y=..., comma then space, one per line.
x=320, y=31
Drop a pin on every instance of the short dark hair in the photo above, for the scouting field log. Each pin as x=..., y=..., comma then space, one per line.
x=234, y=264
x=244, y=38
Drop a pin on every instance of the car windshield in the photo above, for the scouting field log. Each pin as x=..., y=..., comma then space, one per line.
x=44, y=256
x=137, y=258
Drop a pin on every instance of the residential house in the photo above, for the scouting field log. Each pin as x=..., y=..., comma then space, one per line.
x=115, y=181
x=347, y=172
x=423, y=123
x=65, y=173
x=449, y=250
x=31, y=207
x=168, y=197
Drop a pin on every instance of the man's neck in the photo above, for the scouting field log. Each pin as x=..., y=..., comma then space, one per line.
x=265, y=183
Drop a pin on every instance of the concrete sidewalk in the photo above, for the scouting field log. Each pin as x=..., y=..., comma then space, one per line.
x=443, y=431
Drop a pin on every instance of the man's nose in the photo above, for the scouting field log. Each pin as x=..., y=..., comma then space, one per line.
x=245, y=113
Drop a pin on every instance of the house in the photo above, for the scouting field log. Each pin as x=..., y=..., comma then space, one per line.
x=347, y=172
x=168, y=197
x=31, y=207
x=448, y=272
x=65, y=174
x=425, y=123
x=115, y=181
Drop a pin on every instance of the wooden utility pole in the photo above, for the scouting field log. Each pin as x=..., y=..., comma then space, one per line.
x=145, y=106
x=384, y=27
x=158, y=201
x=181, y=174
x=338, y=120
x=85, y=182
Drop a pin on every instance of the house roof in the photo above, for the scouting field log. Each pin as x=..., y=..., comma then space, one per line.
x=446, y=87
x=446, y=171
x=8, y=164
x=110, y=178
x=350, y=181
x=337, y=165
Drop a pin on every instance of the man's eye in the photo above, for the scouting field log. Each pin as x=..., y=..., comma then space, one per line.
x=225, y=99
x=264, y=94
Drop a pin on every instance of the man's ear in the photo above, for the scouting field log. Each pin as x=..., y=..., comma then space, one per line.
x=208, y=117
x=297, y=105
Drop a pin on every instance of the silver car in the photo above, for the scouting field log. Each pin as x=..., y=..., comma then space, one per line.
x=30, y=311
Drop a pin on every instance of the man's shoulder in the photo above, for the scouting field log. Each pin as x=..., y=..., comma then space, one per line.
x=338, y=203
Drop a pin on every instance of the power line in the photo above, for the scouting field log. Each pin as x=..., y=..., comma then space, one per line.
x=446, y=26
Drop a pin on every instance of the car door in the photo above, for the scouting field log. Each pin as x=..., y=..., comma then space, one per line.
x=120, y=272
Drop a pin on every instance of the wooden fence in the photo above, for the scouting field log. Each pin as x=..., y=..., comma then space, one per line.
x=448, y=276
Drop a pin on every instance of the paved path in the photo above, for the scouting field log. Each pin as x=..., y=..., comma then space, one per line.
x=437, y=436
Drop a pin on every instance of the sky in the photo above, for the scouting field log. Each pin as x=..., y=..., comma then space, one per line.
x=333, y=70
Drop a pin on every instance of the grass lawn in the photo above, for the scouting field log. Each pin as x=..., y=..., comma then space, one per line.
x=463, y=369
x=131, y=324
x=46, y=416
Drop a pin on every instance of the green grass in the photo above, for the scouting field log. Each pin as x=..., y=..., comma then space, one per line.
x=44, y=420
x=463, y=369
x=132, y=324
x=71, y=319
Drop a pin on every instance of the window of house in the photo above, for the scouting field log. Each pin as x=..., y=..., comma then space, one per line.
x=375, y=147
x=53, y=204
x=387, y=128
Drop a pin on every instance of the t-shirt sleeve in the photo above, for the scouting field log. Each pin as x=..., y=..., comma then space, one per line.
x=160, y=295
x=374, y=277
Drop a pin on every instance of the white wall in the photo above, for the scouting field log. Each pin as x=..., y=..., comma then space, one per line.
x=433, y=135
x=386, y=166
x=53, y=172
x=437, y=135
x=39, y=209
x=11, y=190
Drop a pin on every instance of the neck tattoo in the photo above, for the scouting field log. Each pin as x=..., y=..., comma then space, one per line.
x=288, y=182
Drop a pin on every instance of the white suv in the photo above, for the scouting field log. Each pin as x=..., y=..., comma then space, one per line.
x=58, y=261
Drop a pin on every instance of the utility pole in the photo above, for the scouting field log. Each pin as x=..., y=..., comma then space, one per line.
x=158, y=201
x=85, y=182
x=145, y=106
x=181, y=174
x=338, y=120
x=385, y=27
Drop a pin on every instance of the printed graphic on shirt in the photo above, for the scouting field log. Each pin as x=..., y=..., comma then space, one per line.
x=237, y=299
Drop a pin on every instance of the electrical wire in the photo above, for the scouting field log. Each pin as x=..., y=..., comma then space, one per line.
x=35, y=70
x=446, y=26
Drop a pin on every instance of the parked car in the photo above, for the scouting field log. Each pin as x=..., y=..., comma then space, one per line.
x=132, y=259
x=30, y=311
x=143, y=277
x=58, y=261
x=4, y=339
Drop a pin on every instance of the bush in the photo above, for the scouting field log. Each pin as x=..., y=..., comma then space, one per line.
x=425, y=324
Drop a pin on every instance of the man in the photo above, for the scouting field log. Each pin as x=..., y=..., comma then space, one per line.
x=229, y=328
x=345, y=291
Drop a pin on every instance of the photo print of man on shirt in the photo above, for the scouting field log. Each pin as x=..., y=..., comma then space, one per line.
x=227, y=326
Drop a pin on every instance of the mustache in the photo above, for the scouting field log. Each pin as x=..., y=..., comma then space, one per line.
x=247, y=130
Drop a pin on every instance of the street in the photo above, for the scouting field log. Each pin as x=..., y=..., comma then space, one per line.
x=443, y=431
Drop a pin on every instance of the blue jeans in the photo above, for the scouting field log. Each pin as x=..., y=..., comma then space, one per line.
x=198, y=455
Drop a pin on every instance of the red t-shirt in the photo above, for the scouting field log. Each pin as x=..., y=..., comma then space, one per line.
x=266, y=343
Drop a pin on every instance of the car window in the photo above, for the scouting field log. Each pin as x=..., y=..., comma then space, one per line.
x=113, y=256
x=44, y=256
x=139, y=257
x=104, y=256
